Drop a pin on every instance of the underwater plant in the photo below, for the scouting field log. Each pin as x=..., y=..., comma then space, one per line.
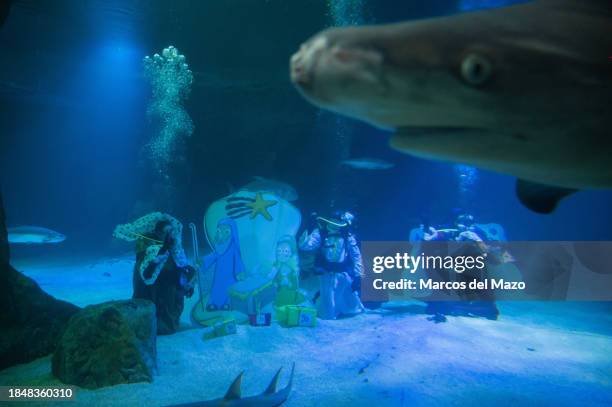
x=171, y=80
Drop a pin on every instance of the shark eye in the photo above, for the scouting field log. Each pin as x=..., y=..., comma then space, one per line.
x=476, y=69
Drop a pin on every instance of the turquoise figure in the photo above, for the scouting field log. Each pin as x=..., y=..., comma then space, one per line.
x=228, y=264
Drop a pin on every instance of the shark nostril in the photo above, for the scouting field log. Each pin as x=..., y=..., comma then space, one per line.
x=299, y=74
x=296, y=66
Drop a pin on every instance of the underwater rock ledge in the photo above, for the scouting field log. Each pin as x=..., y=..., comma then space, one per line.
x=106, y=344
x=30, y=319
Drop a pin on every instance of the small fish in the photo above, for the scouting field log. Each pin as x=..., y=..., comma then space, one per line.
x=279, y=188
x=34, y=235
x=371, y=164
x=524, y=90
x=233, y=398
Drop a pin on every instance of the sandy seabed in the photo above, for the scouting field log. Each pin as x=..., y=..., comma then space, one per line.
x=535, y=354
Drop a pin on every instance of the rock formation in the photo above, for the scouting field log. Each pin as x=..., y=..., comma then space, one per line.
x=107, y=344
x=30, y=319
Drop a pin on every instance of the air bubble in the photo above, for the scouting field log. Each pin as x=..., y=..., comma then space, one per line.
x=170, y=80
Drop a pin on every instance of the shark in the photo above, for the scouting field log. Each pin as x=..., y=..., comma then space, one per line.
x=233, y=397
x=34, y=235
x=366, y=163
x=282, y=189
x=524, y=90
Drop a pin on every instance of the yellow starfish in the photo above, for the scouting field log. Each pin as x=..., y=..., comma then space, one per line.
x=260, y=207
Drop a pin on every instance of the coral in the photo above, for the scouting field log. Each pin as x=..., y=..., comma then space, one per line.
x=171, y=80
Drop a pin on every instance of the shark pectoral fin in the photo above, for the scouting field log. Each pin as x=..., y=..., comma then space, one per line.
x=399, y=139
x=540, y=198
x=234, y=392
x=272, y=386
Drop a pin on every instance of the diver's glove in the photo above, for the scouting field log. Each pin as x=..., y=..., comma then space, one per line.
x=189, y=292
x=187, y=277
x=432, y=235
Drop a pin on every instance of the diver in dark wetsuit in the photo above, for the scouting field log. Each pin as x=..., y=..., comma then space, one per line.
x=472, y=302
x=162, y=275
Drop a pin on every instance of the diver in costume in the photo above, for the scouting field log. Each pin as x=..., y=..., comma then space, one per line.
x=472, y=302
x=339, y=264
x=162, y=273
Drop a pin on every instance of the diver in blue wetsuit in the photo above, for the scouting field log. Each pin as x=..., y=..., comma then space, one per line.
x=476, y=303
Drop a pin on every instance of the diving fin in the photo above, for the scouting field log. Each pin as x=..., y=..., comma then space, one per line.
x=234, y=392
x=540, y=198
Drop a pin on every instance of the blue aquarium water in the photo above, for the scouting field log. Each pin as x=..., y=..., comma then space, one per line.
x=176, y=155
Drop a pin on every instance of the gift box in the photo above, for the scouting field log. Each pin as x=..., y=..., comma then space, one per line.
x=221, y=328
x=261, y=319
x=296, y=315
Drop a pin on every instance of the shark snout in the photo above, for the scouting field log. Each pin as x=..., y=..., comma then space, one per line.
x=298, y=71
x=55, y=238
x=327, y=71
x=303, y=63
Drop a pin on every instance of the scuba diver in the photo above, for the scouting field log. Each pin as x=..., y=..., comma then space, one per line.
x=162, y=274
x=339, y=264
x=464, y=230
x=472, y=302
